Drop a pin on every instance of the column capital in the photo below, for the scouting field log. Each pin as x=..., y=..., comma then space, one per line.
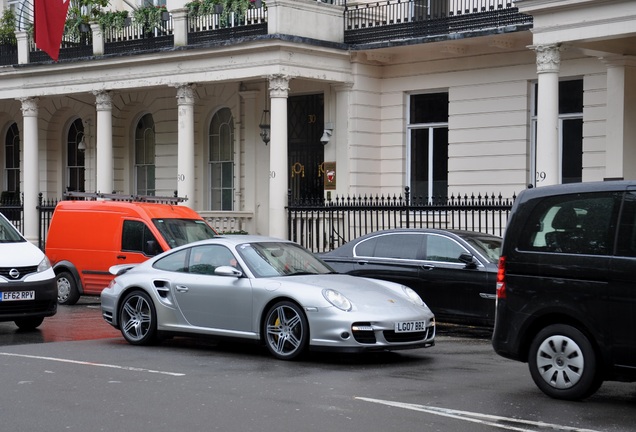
x=548, y=58
x=185, y=94
x=29, y=106
x=279, y=85
x=103, y=100
x=341, y=87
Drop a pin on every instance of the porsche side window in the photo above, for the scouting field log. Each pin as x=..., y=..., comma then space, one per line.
x=175, y=262
x=205, y=259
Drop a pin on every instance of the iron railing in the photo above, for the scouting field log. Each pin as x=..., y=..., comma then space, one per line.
x=321, y=225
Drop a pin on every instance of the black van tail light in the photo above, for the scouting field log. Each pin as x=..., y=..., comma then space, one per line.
x=501, y=283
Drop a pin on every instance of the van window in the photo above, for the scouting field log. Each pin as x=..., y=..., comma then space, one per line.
x=178, y=232
x=137, y=237
x=626, y=243
x=578, y=224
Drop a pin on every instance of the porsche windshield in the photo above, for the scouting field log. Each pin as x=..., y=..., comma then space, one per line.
x=178, y=232
x=280, y=259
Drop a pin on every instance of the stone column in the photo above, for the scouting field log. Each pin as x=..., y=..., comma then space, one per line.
x=31, y=169
x=98, y=39
x=185, y=145
x=279, y=165
x=620, y=146
x=341, y=137
x=180, y=26
x=104, y=142
x=547, y=148
x=23, y=46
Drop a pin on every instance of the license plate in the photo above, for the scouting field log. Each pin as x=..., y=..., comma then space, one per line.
x=410, y=326
x=17, y=296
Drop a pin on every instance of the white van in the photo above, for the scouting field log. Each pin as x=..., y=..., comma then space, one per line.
x=28, y=288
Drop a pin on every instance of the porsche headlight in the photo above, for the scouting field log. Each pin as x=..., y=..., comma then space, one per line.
x=337, y=299
x=413, y=296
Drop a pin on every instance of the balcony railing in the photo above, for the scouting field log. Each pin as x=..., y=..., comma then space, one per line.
x=364, y=23
x=409, y=19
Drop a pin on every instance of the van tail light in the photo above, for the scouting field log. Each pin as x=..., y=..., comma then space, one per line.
x=501, y=283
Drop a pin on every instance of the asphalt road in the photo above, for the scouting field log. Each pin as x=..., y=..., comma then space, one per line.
x=78, y=374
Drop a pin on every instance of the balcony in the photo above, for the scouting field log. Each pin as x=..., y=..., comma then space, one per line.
x=360, y=25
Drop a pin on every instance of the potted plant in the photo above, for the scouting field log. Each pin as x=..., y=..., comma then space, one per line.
x=7, y=28
x=150, y=17
x=114, y=20
x=80, y=13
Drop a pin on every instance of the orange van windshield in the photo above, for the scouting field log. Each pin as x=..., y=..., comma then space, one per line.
x=178, y=232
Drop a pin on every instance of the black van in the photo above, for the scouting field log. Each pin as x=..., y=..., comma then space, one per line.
x=566, y=287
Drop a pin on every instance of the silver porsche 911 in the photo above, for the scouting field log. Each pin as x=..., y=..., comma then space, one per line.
x=266, y=290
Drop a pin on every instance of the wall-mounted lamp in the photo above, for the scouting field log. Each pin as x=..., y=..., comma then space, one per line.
x=326, y=135
x=265, y=126
x=81, y=146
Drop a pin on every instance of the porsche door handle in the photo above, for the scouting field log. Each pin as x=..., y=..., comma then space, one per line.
x=181, y=288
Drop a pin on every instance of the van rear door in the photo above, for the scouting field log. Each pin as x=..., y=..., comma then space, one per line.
x=623, y=285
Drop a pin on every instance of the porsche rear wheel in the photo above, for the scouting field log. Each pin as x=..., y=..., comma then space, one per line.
x=286, y=330
x=138, y=319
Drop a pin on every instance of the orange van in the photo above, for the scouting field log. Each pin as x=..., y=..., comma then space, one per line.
x=86, y=238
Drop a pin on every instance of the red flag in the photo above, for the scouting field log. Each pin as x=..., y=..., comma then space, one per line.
x=50, y=17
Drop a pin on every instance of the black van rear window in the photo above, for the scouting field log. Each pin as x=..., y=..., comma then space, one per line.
x=577, y=224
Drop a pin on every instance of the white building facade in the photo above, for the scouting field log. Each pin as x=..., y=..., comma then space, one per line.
x=549, y=97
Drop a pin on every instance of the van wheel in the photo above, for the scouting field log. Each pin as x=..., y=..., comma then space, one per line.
x=67, y=292
x=29, y=323
x=138, y=319
x=562, y=363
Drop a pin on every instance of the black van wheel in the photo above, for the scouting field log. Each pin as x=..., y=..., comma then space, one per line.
x=29, y=323
x=562, y=363
x=67, y=292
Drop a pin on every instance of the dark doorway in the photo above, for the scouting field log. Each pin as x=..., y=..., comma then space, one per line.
x=305, y=151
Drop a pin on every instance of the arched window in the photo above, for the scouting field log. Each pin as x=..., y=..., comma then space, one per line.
x=145, y=156
x=75, y=161
x=12, y=161
x=221, y=160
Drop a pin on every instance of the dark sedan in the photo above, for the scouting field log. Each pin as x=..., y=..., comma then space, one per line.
x=453, y=271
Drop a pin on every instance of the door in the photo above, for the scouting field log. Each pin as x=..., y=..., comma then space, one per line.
x=305, y=151
x=222, y=303
x=623, y=287
x=456, y=291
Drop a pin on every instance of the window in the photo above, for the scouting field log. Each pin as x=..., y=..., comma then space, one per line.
x=570, y=130
x=12, y=160
x=397, y=246
x=75, y=161
x=443, y=249
x=580, y=224
x=221, y=160
x=205, y=259
x=626, y=245
x=137, y=237
x=175, y=262
x=428, y=145
x=145, y=156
